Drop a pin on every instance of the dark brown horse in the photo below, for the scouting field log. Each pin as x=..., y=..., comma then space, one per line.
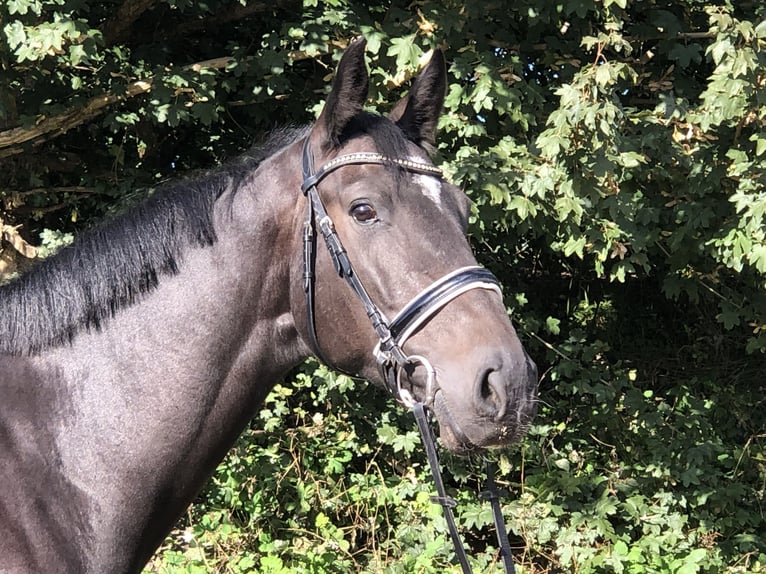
x=132, y=360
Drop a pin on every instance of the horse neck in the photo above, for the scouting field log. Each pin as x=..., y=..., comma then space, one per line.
x=161, y=392
x=226, y=314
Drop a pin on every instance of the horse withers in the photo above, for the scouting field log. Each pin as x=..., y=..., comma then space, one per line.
x=132, y=359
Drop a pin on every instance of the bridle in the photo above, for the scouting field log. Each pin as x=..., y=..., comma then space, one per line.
x=391, y=358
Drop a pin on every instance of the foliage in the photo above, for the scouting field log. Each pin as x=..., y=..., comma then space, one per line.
x=615, y=154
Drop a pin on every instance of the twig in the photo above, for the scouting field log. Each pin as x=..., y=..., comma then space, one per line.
x=64, y=189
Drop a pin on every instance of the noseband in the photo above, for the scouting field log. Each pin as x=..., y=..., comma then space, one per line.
x=391, y=359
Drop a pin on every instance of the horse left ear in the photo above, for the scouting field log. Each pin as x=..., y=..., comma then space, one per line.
x=347, y=96
x=417, y=114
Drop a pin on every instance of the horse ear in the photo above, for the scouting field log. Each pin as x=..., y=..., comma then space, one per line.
x=347, y=96
x=417, y=114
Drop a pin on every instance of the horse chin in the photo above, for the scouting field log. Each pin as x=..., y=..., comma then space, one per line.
x=452, y=442
x=450, y=433
x=461, y=441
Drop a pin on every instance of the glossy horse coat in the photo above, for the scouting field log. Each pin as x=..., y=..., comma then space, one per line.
x=131, y=361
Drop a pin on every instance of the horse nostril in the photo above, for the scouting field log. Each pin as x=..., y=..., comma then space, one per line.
x=492, y=396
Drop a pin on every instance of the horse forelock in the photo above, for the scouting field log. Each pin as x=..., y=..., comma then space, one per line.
x=387, y=137
x=113, y=265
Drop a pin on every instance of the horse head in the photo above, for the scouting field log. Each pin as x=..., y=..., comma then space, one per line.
x=397, y=296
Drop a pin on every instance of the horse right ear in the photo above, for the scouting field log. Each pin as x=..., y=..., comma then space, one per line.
x=417, y=114
x=347, y=96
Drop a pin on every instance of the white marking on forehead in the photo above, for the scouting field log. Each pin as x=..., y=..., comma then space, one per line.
x=430, y=185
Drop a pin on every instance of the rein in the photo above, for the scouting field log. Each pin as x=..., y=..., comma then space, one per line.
x=391, y=359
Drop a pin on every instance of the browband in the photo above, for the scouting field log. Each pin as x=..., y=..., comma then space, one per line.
x=312, y=179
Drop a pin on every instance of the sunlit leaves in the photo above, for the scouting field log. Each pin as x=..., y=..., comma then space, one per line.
x=63, y=36
x=406, y=51
x=22, y=7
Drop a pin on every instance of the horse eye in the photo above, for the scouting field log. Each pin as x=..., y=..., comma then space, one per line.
x=364, y=213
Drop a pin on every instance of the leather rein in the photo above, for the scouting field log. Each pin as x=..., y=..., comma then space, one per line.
x=392, y=360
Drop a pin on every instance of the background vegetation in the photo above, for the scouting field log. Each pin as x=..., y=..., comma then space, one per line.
x=615, y=152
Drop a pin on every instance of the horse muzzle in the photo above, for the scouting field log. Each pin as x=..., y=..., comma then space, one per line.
x=494, y=411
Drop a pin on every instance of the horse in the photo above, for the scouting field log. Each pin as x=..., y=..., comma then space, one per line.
x=132, y=359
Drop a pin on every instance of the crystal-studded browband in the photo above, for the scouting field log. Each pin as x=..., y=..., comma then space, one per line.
x=365, y=158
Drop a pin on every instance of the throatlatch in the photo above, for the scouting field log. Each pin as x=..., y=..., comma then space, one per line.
x=391, y=359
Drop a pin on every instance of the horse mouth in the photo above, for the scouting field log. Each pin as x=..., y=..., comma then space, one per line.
x=480, y=435
x=456, y=443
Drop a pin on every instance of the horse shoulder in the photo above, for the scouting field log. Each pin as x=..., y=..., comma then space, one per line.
x=40, y=519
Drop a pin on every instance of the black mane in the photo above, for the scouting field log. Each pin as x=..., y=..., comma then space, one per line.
x=114, y=264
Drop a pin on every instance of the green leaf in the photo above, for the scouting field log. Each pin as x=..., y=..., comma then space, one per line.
x=22, y=7
x=407, y=52
x=620, y=548
x=574, y=246
x=603, y=75
x=685, y=54
x=721, y=49
x=552, y=325
x=15, y=34
x=729, y=316
x=77, y=54
x=631, y=159
x=757, y=257
x=760, y=144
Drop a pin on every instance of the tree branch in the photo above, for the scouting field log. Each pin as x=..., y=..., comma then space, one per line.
x=49, y=128
x=61, y=189
x=11, y=141
x=11, y=234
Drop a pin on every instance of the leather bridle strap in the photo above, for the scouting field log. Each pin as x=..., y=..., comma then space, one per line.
x=492, y=493
x=447, y=502
x=437, y=295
